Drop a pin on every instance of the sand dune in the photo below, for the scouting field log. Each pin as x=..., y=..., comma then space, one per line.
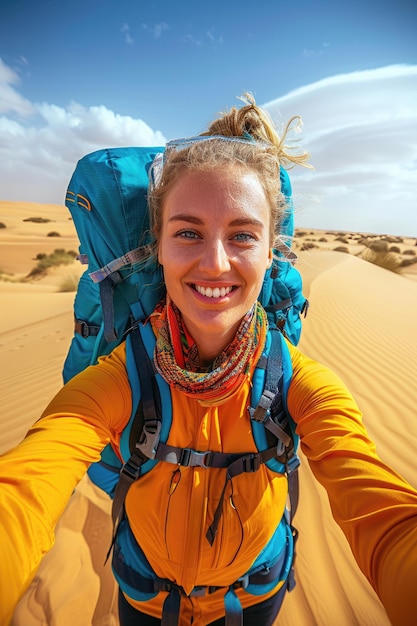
x=361, y=323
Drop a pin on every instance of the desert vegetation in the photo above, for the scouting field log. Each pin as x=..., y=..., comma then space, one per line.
x=47, y=261
x=37, y=220
x=393, y=253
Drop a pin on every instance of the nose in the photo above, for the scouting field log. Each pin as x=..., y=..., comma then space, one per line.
x=215, y=259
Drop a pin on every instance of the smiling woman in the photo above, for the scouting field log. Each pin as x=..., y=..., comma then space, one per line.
x=203, y=533
x=214, y=250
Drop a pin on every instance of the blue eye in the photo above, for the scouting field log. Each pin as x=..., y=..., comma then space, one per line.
x=244, y=237
x=187, y=234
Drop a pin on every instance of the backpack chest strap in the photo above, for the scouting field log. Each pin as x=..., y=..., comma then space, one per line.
x=187, y=457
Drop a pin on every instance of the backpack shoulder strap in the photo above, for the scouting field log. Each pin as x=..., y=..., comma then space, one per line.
x=149, y=413
x=272, y=412
x=272, y=389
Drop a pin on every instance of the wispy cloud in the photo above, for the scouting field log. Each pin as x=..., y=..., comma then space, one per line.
x=126, y=30
x=210, y=37
x=196, y=41
x=213, y=38
x=361, y=130
x=308, y=53
x=38, y=152
x=157, y=29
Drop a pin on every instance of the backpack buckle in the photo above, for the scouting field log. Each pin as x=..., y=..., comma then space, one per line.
x=262, y=411
x=193, y=458
x=130, y=470
x=242, y=583
x=251, y=462
x=292, y=464
x=84, y=329
x=149, y=438
x=198, y=592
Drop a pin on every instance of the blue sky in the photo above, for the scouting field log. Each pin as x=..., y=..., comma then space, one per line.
x=77, y=76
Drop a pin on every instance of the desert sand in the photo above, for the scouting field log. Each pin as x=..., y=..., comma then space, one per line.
x=361, y=323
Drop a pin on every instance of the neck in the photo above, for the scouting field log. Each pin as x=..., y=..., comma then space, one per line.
x=208, y=346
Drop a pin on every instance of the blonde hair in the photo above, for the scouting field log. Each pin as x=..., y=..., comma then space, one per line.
x=253, y=145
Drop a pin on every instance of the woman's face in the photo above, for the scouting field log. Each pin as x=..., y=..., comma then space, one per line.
x=215, y=249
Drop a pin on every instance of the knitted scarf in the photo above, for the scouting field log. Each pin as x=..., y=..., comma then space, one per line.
x=176, y=355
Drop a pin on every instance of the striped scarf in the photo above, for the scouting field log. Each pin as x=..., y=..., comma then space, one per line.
x=176, y=355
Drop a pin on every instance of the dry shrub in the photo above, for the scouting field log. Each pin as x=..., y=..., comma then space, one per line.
x=379, y=246
x=6, y=278
x=408, y=262
x=392, y=239
x=307, y=245
x=344, y=249
x=45, y=261
x=68, y=284
x=37, y=220
x=381, y=257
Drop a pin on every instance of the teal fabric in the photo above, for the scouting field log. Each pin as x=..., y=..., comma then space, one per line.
x=107, y=200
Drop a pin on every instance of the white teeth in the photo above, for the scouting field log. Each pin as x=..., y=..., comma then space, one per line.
x=217, y=292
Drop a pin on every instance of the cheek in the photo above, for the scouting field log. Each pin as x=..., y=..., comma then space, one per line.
x=161, y=249
x=256, y=270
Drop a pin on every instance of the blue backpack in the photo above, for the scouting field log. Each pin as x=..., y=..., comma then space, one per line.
x=107, y=198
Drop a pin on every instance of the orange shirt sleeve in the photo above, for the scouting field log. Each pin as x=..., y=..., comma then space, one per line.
x=38, y=476
x=374, y=506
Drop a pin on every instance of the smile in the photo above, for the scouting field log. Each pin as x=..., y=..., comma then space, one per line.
x=217, y=292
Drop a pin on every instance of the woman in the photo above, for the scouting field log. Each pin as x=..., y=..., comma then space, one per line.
x=216, y=207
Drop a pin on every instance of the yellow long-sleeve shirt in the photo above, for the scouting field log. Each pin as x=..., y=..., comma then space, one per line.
x=374, y=506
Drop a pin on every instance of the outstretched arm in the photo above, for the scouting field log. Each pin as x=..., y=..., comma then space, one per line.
x=39, y=475
x=374, y=506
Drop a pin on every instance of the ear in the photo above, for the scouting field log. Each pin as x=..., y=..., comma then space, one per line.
x=270, y=258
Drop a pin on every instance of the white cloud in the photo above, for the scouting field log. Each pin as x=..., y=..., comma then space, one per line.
x=360, y=128
x=10, y=100
x=39, y=153
x=361, y=131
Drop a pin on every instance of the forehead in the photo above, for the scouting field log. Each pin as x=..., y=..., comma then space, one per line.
x=229, y=187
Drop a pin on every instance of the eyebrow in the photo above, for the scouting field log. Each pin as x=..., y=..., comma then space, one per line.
x=239, y=221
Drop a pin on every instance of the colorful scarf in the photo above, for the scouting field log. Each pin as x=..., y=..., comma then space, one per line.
x=176, y=355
